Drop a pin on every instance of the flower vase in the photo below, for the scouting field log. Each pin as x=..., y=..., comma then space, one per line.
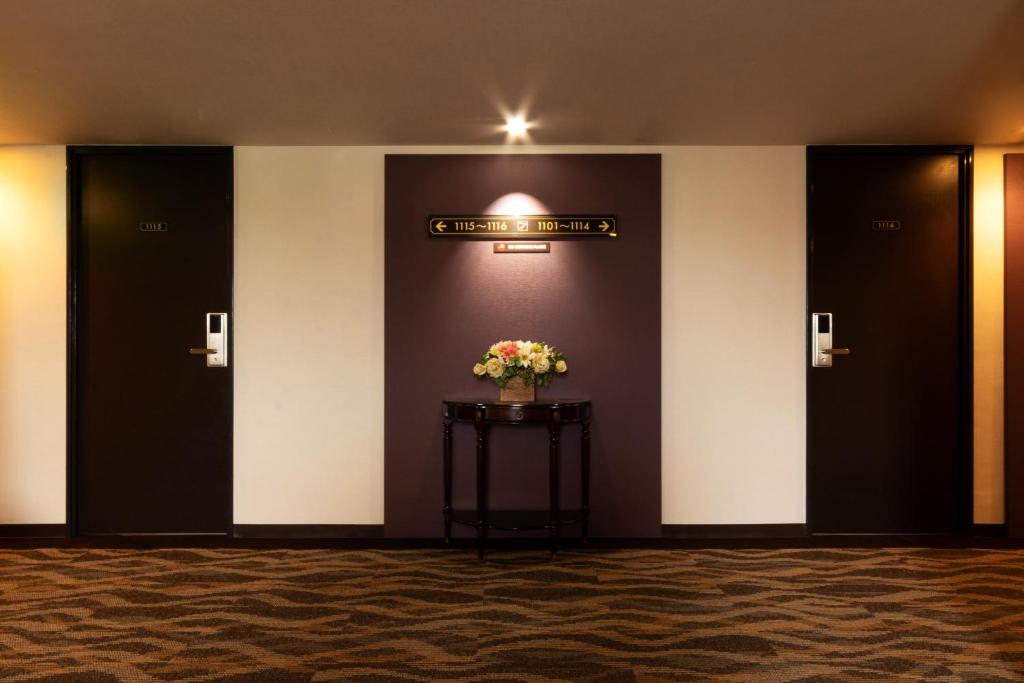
x=516, y=390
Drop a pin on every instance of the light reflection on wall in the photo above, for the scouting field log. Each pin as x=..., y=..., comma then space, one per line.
x=11, y=205
x=33, y=313
x=516, y=204
x=988, y=333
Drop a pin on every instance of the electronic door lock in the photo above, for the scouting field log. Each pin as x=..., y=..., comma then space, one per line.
x=822, y=350
x=216, y=349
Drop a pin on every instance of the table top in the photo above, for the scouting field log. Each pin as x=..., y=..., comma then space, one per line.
x=516, y=412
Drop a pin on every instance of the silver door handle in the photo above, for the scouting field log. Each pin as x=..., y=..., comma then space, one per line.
x=216, y=349
x=822, y=333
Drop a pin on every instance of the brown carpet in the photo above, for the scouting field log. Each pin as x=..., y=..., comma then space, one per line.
x=426, y=615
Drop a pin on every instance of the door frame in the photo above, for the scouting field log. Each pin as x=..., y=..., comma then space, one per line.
x=965, y=155
x=73, y=154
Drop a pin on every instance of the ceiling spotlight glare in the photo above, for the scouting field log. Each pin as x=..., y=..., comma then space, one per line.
x=516, y=126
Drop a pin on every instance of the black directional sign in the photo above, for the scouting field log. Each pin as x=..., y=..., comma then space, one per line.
x=525, y=227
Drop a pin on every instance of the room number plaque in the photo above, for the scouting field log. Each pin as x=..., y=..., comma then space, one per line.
x=525, y=227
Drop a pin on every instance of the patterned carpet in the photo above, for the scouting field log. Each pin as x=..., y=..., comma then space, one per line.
x=425, y=615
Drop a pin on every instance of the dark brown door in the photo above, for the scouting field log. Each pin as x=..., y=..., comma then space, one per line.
x=888, y=424
x=151, y=255
x=1014, y=343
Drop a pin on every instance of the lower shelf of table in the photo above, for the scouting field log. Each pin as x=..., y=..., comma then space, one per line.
x=515, y=520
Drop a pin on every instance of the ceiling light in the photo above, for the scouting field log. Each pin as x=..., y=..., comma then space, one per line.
x=516, y=126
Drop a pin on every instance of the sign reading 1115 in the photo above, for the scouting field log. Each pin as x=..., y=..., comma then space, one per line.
x=513, y=227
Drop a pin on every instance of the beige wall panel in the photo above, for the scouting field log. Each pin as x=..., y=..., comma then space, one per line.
x=734, y=296
x=33, y=315
x=988, y=333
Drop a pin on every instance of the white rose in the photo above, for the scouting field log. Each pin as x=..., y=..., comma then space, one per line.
x=479, y=369
x=495, y=368
x=560, y=366
x=541, y=364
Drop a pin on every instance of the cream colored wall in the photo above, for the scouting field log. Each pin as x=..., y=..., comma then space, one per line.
x=309, y=335
x=988, y=333
x=33, y=316
x=309, y=275
x=733, y=407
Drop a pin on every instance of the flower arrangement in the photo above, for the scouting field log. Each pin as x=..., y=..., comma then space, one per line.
x=533, y=363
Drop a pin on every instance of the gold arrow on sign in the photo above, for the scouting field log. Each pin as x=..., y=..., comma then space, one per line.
x=604, y=226
x=440, y=225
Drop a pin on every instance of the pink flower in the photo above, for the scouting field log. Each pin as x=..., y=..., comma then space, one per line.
x=508, y=349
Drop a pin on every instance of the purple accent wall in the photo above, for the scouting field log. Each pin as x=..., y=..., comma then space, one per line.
x=599, y=300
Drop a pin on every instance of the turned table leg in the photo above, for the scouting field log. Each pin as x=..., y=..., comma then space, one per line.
x=447, y=481
x=554, y=480
x=481, y=481
x=585, y=476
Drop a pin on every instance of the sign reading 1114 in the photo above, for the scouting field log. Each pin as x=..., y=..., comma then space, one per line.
x=512, y=227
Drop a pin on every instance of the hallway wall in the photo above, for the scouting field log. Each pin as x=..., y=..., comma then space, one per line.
x=309, y=336
x=734, y=265
x=732, y=244
x=309, y=333
x=988, y=332
x=598, y=299
x=33, y=314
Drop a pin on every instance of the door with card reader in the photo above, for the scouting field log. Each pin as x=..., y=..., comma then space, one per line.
x=150, y=363
x=888, y=322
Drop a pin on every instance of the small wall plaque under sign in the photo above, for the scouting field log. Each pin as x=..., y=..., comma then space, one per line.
x=153, y=226
x=885, y=225
x=515, y=227
x=522, y=247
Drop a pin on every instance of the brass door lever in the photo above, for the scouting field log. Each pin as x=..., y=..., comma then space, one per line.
x=836, y=352
x=202, y=352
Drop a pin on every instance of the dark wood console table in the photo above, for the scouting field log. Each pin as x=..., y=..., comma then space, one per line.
x=485, y=413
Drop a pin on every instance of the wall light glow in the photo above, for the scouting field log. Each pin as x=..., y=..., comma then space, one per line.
x=516, y=204
x=12, y=204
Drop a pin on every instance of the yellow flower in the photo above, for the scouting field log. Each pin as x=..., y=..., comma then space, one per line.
x=479, y=369
x=494, y=367
x=561, y=366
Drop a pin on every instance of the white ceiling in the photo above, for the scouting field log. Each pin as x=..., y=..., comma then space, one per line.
x=361, y=72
